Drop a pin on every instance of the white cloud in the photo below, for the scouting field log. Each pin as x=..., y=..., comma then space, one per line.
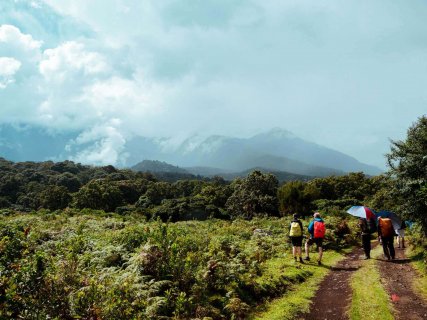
x=70, y=57
x=167, y=68
x=8, y=67
x=12, y=35
x=103, y=144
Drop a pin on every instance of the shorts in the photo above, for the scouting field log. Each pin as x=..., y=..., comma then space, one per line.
x=317, y=241
x=296, y=241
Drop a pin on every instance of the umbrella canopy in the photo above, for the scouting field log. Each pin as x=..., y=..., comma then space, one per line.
x=395, y=219
x=362, y=212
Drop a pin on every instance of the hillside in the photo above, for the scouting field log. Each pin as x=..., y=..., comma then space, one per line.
x=157, y=166
x=277, y=150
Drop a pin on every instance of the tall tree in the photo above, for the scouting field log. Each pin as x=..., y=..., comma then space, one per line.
x=256, y=194
x=408, y=165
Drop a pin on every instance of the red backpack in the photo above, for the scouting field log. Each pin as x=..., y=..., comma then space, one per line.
x=319, y=229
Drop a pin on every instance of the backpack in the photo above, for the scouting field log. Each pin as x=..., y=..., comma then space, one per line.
x=372, y=226
x=386, y=227
x=295, y=229
x=319, y=229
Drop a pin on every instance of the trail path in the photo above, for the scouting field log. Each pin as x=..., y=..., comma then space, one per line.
x=334, y=294
x=333, y=297
x=397, y=278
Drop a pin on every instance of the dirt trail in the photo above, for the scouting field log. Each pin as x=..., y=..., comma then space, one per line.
x=397, y=278
x=335, y=290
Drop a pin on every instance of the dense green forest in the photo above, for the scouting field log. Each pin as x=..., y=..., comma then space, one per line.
x=91, y=242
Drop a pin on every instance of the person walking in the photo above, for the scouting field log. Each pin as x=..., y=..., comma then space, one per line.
x=316, y=229
x=295, y=233
x=386, y=234
x=366, y=237
x=401, y=235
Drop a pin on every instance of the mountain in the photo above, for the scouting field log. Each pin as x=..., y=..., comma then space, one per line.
x=280, y=175
x=276, y=149
x=283, y=143
x=23, y=143
x=157, y=166
x=167, y=172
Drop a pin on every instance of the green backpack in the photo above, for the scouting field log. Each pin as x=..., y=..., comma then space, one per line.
x=295, y=229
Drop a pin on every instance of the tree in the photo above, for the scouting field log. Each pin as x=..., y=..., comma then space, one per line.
x=55, y=197
x=407, y=161
x=256, y=194
x=297, y=197
x=98, y=194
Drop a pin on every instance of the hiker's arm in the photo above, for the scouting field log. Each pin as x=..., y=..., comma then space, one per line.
x=310, y=227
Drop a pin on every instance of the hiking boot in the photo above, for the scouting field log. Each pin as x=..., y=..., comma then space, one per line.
x=295, y=258
x=319, y=262
x=366, y=258
x=300, y=260
x=307, y=258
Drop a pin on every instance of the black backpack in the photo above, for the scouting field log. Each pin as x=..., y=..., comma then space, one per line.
x=372, y=225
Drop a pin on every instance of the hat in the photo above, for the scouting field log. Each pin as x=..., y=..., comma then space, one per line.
x=316, y=215
x=295, y=216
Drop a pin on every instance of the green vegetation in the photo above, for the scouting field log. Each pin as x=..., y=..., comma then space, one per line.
x=369, y=300
x=98, y=242
x=408, y=167
x=417, y=252
x=89, y=264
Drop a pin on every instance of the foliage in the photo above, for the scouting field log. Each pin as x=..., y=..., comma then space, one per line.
x=297, y=197
x=76, y=264
x=256, y=194
x=408, y=167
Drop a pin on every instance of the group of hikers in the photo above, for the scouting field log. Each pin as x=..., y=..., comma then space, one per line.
x=316, y=230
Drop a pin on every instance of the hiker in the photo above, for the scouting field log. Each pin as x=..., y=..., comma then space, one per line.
x=366, y=237
x=295, y=233
x=386, y=235
x=401, y=235
x=316, y=229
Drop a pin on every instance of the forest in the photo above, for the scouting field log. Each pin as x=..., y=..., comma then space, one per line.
x=87, y=242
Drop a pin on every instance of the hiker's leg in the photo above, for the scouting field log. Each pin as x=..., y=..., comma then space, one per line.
x=366, y=240
x=294, y=250
x=403, y=242
x=391, y=248
x=307, y=247
x=385, y=248
x=320, y=253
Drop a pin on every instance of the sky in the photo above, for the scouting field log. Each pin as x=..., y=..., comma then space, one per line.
x=348, y=75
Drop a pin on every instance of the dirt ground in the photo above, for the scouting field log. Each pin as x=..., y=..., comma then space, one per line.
x=335, y=290
x=397, y=278
x=334, y=295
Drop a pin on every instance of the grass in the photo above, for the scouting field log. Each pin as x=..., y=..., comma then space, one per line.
x=369, y=300
x=298, y=298
x=417, y=257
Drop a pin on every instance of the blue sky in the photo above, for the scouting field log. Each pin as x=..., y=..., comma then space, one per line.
x=348, y=75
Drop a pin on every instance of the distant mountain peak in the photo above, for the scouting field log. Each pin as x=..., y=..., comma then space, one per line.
x=276, y=133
